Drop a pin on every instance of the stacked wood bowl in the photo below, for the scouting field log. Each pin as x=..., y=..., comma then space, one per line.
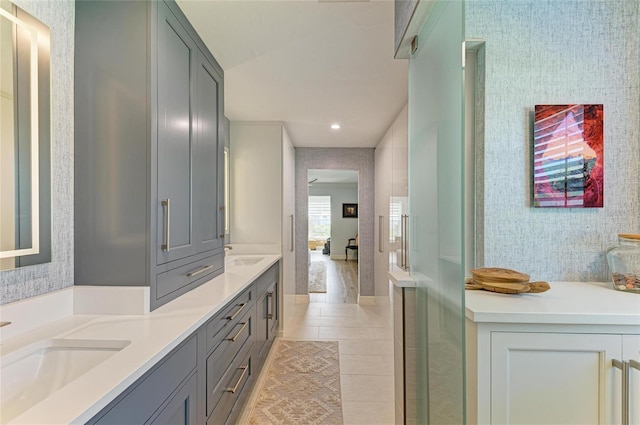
x=504, y=281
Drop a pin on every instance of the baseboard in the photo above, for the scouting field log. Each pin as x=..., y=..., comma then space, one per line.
x=366, y=300
x=302, y=299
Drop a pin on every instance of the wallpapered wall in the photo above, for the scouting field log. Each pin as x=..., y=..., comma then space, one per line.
x=556, y=52
x=35, y=280
x=357, y=159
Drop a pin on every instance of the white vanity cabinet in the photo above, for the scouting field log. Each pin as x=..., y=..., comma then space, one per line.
x=549, y=358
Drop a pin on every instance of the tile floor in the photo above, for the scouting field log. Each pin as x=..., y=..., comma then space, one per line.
x=365, y=338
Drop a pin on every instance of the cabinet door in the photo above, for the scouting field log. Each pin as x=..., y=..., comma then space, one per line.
x=176, y=79
x=181, y=409
x=631, y=351
x=541, y=378
x=272, y=311
x=207, y=190
x=266, y=320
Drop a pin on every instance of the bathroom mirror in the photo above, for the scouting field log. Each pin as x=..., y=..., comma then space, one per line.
x=25, y=185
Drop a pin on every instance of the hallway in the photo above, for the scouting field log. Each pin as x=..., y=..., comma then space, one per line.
x=341, y=277
x=365, y=337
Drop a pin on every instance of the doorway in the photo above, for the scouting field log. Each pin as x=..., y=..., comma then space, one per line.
x=333, y=226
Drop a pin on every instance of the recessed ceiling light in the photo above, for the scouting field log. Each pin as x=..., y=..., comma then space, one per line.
x=335, y=126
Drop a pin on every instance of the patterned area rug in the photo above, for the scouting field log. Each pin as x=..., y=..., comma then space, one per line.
x=302, y=386
x=317, y=277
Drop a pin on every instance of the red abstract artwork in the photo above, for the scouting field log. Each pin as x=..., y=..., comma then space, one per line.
x=568, y=156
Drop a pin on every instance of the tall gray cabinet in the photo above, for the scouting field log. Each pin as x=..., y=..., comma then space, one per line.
x=149, y=147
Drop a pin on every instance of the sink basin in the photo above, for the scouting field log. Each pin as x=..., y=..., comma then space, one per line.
x=31, y=374
x=243, y=261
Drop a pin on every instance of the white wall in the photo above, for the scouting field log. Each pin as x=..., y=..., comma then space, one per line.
x=341, y=228
x=556, y=52
x=256, y=183
x=36, y=280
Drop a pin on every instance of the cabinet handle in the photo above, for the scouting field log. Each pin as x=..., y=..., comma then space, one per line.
x=237, y=311
x=224, y=221
x=233, y=338
x=200, y=270
x=624, y=367
x=634, y=364
x=404, y=245
x=166, y=206
x=235, y=387
x=270, y=315
x=380, y=230
x=291, y=237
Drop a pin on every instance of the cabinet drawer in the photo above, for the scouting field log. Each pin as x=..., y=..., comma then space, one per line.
x=267, y=278
x=138, y=403
x=230, y=388
x=239, y=338
x=217, y=327
x=183, y=276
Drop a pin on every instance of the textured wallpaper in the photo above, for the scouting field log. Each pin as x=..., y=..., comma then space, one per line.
x=556, y=52
x=358, y=159
x=36, y=280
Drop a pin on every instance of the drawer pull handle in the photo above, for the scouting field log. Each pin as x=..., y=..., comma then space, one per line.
x=200, y=270
x=166, y=205
x=634, y=364
x=233, y=338
x=624, y=367
x=270, y=314
x=235, y=387
x=233, y=316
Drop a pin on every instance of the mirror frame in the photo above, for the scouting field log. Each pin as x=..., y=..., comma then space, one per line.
x=38, y=129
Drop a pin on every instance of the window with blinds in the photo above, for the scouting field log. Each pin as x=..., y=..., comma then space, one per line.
x=319, y=217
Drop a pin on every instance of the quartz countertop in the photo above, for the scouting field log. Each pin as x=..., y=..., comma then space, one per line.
x=588, y=303
x=152, y=335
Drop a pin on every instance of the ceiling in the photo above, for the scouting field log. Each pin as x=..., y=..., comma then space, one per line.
x=308, y=64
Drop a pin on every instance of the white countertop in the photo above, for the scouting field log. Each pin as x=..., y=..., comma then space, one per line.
x=589, y=303
x=401, y=278
x=152, y=336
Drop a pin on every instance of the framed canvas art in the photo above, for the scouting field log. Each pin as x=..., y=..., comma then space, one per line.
x=349, y=210
x=568, y=156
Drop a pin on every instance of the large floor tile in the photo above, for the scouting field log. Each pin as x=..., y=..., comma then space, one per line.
x=367, y=388
x=339, y=333
x=358, y=364
x=374, y=347
x=367, y=413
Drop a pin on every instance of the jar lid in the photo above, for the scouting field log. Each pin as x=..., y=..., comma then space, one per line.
x=629, y=235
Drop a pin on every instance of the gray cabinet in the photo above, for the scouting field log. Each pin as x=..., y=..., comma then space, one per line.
x=148, y=149
x=160, y=395
x=208, y=377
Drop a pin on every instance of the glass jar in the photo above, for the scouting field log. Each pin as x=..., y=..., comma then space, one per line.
x=624, y=263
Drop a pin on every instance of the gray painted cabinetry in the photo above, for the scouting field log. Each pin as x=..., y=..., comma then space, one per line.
x=149, y=143
x=208, y=377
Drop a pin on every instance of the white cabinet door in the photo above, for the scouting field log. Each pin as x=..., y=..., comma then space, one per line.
x=382, y=189
x=546, y=378
x=631, y=351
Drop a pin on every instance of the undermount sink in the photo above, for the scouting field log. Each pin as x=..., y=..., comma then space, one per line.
x=32, y=373
x=242, y=261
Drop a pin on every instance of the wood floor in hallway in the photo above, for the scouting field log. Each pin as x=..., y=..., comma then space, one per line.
x=342, y=280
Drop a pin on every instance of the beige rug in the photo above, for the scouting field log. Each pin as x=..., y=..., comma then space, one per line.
x=317, y=277
x=302, y=386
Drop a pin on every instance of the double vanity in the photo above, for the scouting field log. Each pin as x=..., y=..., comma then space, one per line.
x=192, y=360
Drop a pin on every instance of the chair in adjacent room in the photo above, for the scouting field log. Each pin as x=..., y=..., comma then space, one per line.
x=351, y=244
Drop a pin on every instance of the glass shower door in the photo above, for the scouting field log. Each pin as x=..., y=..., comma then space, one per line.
x=436, y=141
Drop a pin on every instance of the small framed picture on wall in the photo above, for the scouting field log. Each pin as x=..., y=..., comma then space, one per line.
x=349, y=210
